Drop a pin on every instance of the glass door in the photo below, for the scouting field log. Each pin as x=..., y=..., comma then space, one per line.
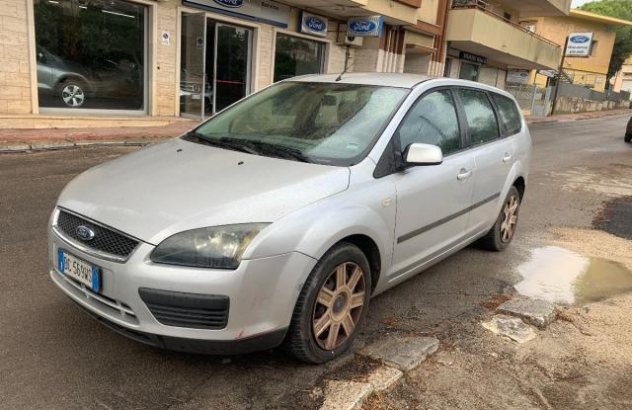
x=231, y=76
x=194, y=87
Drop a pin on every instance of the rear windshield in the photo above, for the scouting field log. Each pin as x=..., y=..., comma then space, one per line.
x=325, y=123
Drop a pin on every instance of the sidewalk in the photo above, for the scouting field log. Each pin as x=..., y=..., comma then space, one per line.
x=576, y=117
x=22, y=140
x=25, y=140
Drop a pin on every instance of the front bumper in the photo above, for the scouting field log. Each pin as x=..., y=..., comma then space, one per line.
x=262, y=294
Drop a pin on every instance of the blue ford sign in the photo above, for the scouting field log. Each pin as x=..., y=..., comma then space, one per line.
x=365, y=26
x=579, y=44
x=313, y=24
x=580, y=39
x=233, y=4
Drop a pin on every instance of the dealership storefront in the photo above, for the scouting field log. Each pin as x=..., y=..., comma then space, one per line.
x=170, y=58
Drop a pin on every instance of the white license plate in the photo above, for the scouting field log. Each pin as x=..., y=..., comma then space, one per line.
x=79, y=270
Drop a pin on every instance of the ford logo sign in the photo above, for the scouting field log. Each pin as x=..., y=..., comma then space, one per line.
x=84, y=233
x=233, y=4
x=580, y=39
x=363, y=26
x=315, y=24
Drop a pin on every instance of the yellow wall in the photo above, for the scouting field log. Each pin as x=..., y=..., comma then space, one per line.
x=428, y=11
x=584, y=70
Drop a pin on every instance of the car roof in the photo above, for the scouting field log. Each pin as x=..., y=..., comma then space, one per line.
x=400, y=80
x=378, y=79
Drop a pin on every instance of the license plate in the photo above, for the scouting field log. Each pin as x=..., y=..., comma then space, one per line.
x=79, y=270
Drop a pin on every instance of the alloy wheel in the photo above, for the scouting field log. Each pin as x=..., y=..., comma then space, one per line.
x=510, y=218
x=73, y=95
x=338, y=307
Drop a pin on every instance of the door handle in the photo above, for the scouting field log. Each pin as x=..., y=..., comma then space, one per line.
x=507, y=157
x=464, y=174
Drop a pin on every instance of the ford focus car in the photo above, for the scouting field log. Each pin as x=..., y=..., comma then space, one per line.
x=275, y=222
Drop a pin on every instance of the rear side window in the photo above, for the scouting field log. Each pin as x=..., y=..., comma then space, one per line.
x=509, y=114
x=481, y=119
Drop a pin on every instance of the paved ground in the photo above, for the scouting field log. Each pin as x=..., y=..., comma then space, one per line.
x=54, y=356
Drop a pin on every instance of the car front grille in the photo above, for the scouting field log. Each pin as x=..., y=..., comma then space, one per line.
x=106, y=240
x=187, y=309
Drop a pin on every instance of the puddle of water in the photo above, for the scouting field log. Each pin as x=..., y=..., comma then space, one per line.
x=561, y=276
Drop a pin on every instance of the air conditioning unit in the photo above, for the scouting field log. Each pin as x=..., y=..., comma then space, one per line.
x=344, y=39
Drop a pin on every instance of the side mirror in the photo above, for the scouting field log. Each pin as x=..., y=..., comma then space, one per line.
x=418, y=154
x=40, y=57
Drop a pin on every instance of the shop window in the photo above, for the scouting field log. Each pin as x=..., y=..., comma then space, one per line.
x=297, y=56
x=469, y=71
x=90, y=54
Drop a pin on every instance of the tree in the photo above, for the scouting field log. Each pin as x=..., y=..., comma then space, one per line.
x=621, y=9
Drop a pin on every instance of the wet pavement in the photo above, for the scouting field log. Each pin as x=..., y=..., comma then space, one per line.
x=54, y=356
x=564, y=277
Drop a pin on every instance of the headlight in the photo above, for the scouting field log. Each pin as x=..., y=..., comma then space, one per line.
x=219, y=247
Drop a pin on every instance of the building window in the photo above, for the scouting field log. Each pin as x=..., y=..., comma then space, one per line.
x=91, y=54
x=297, y=56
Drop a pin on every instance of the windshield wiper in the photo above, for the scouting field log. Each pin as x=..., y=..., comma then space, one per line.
x=233, y=145
x=281, y=151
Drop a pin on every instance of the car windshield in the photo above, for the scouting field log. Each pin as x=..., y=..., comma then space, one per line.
x=326, y=123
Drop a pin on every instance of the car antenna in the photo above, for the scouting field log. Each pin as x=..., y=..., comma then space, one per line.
x=347, y=67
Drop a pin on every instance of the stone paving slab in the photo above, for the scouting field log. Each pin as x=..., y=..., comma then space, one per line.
x=537, y=312
x=511, y=327
x=402, y=352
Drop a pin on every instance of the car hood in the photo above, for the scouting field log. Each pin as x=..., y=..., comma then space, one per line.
x=179, y=185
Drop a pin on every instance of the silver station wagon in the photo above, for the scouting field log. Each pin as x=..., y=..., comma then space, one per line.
x=275, y=222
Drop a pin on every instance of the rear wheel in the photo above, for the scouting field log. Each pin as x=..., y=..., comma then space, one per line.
x=331, y=306
x=503, y=231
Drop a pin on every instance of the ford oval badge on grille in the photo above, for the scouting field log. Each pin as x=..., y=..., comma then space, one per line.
x=85, y=233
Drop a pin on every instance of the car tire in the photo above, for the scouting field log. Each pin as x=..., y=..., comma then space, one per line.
x=72, y=93
x=499, y=237
x=628, y=138
x=333, y=299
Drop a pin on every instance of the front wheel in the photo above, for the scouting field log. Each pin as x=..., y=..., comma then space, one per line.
x=628, y=137
x=72, y=93
x=503, y=231
x=331, y=305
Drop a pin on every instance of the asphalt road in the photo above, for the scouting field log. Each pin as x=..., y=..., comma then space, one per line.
x=53, y=356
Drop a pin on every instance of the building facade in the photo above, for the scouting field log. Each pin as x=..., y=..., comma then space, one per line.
x=170, y=58
x=623, y=80
x=588, y=70
x=486, y=43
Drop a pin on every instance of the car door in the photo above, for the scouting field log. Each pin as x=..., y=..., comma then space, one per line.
x=432, y=201
x=494, y=156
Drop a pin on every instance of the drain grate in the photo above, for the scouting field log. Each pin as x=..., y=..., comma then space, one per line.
x=616, y=217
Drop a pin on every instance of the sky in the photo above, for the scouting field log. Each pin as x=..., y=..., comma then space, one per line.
x=577, y=3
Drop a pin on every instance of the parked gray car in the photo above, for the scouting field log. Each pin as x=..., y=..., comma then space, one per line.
x=277, y=220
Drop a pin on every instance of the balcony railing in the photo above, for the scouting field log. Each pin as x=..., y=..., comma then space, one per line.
x=487, y=9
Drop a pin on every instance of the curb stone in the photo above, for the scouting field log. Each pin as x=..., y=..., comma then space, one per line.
x=536, y=312
x=27, y=148
x=398, y=354
x=345, y=395
x=404, y=353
